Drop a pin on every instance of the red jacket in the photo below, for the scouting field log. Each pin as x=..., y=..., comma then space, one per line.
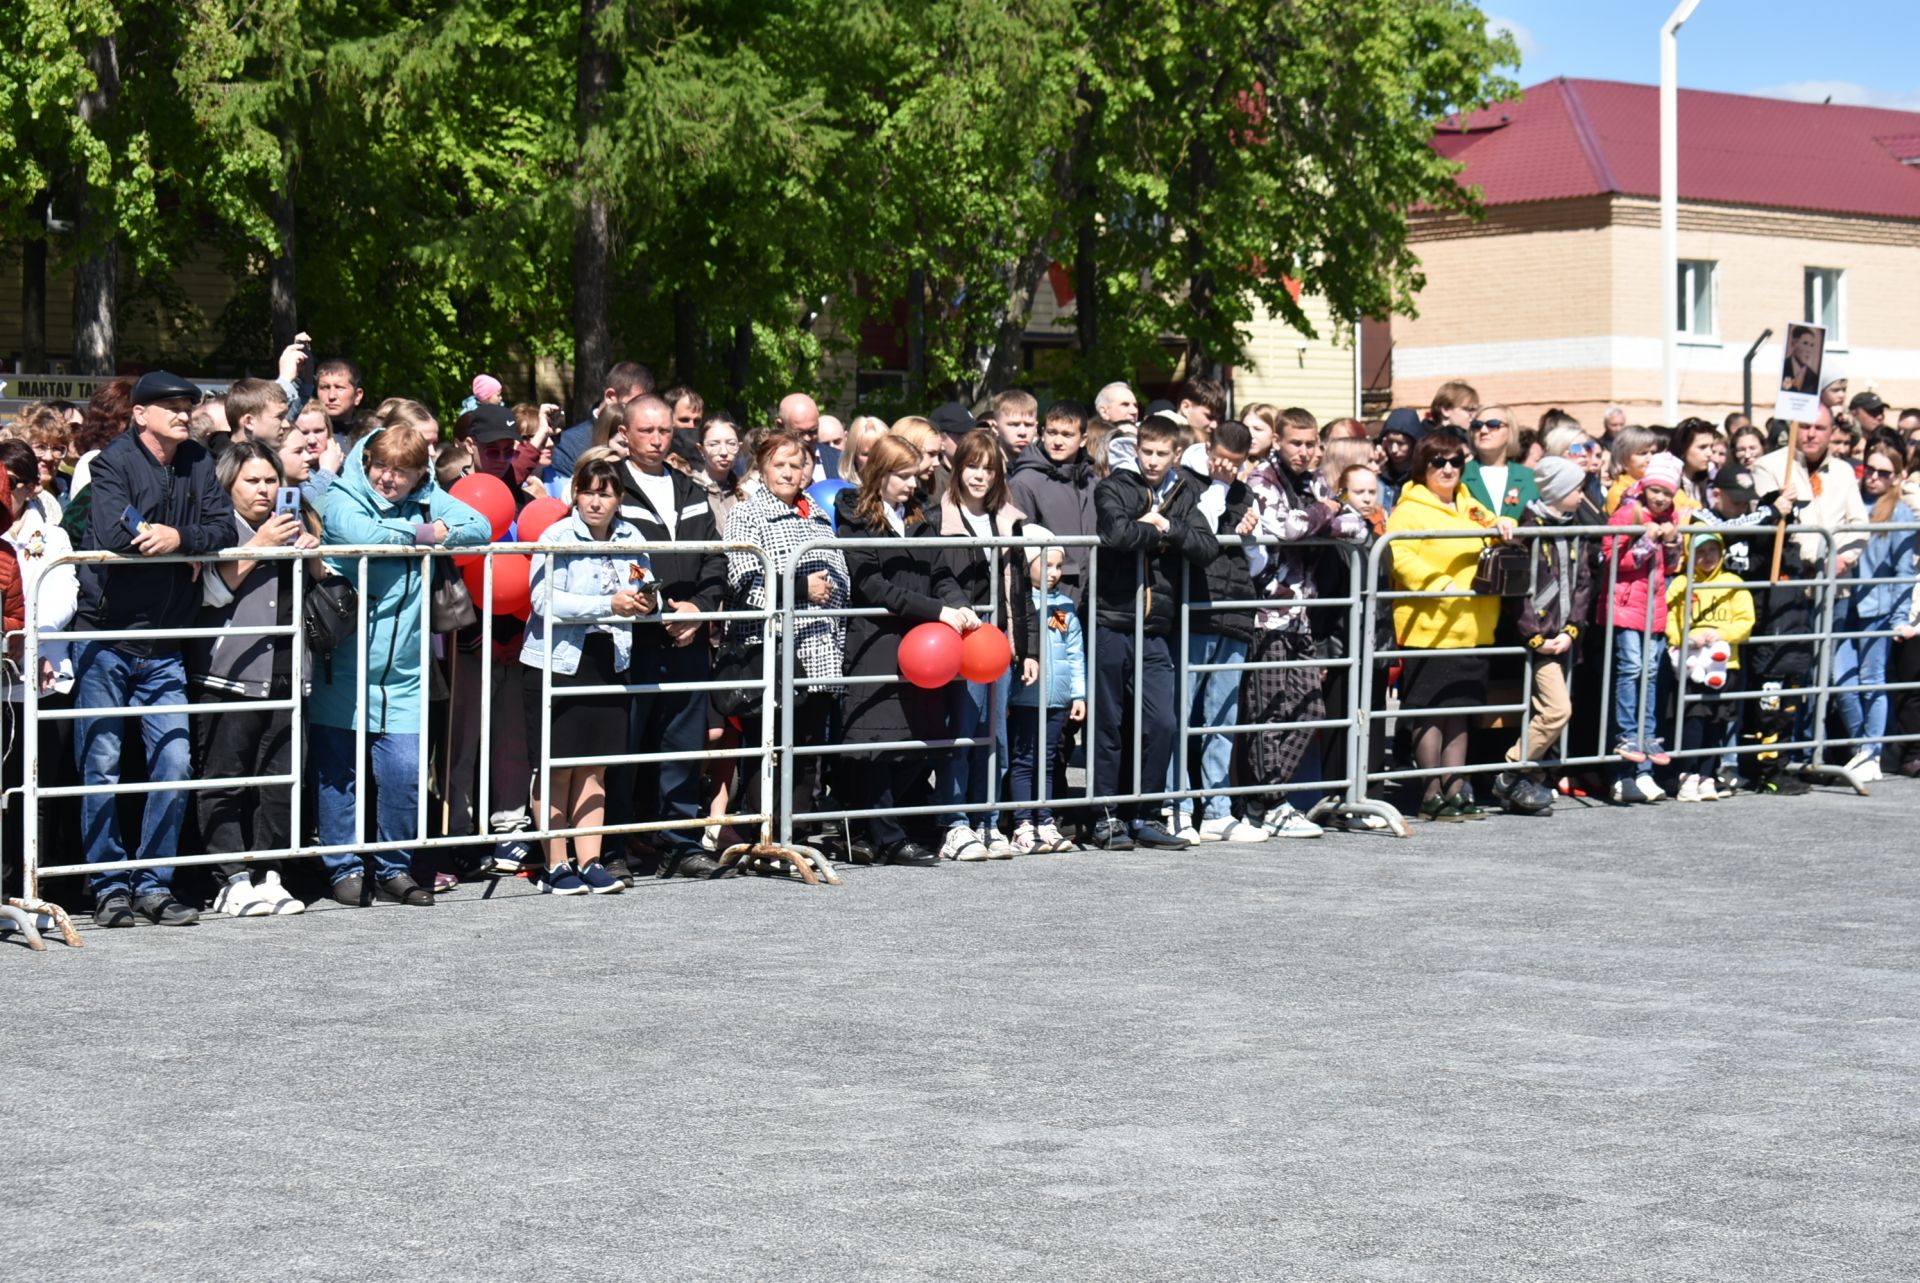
x=1641, y=574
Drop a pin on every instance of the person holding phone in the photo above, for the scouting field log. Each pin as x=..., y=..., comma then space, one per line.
x=241, y=667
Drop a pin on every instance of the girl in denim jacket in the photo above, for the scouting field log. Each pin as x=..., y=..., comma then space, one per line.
x=581, y=602
x=1065, y=699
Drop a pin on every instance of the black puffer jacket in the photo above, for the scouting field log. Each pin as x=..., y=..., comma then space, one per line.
x=1121, y=500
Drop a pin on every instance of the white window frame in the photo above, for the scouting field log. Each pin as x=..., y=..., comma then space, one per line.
x=1684, y=323
x=1837, y=332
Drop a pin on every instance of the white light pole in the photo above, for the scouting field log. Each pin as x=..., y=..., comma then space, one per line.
x=1670, y=202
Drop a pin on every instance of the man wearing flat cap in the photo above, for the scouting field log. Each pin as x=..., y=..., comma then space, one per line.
x=153, y=492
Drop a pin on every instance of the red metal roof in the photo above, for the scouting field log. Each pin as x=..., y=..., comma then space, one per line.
x=1571, y=138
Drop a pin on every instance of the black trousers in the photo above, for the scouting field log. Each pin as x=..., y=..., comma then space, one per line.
x=880, y=783
x=667, y=722
x=242, y=742
x=1113, y=734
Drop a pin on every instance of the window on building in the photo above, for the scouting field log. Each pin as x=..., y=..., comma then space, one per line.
x=1826, y=293
x=1697, y=317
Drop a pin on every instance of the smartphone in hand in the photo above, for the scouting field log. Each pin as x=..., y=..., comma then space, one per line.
x=135, y=523
x=287, y=501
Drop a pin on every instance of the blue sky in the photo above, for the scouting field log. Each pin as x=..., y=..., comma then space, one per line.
x=1858, y=51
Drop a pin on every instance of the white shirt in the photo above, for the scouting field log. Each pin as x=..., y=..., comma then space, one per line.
x=981, y=526
x=659, y=493
x=897, y=518
x=1494, y=478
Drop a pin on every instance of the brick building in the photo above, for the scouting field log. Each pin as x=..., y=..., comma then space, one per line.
x=1788, y=212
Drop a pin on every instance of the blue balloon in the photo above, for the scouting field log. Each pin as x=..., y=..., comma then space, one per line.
x=823, y=494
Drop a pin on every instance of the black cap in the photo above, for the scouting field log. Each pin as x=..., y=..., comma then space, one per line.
x=158, y=385
x=1868, y=401
x=1735, y=481
x=491, y=422
x=953, y=419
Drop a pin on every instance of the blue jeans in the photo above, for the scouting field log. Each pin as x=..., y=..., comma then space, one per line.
x=1862, y=661
x=396, y=780
x=1633, y=652
x=1213, y=699
x=108, y=678
x=961, y=775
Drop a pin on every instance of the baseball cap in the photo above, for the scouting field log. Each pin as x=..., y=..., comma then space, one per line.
x=490, y=422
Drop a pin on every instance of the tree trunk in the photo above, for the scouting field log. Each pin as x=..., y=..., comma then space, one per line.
x=592, y=225
x=739, y=369
x=917, y=337
x=1203, y=327
x=96, y=277
x=283, y=308
x=33, y=290
x=1010, y=344
x=686, y=338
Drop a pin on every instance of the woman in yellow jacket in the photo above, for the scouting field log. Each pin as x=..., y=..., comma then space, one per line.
x=1434, y=499
x=1718, y=619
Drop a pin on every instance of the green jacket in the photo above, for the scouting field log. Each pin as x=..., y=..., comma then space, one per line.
x=1521, y=489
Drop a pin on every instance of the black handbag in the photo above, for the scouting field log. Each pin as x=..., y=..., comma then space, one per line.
x=1502, y=571
x=740, y=667
x=330, y=615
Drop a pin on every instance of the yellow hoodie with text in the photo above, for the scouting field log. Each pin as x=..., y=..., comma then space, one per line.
x=1440, y=565
x=1720, y=603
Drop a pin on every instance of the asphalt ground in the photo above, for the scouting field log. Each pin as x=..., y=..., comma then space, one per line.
x=1663, y=1043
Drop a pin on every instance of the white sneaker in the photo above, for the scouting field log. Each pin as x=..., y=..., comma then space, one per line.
x=1024, y=840
x=1859, y=759
x=1868, y=771
x=1647, y=790
x=1048, y=837
x=241, y=899
x=1622, y=794
x=1287, y=822
x=1709, y=791
x=280, y=901
x=1689, y=789
x=998, y=847
x=1229, y=829
x=1181, y=826
x=962, y=843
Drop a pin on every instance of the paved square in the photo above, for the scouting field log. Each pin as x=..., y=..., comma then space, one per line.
x=1661, y=1043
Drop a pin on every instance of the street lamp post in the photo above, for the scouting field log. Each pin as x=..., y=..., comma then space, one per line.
x=1670, y=202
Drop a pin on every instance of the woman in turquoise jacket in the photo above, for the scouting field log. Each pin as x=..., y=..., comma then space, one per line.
x=385, y=495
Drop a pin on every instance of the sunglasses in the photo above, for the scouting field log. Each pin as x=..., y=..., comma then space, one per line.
x=1454, y=461
x=1886, y=474
x=1582, y=447
x=1480, y=424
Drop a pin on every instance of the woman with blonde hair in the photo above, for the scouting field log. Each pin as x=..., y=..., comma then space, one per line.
x=1343, y=453
x=861, y=434
x=924, y=437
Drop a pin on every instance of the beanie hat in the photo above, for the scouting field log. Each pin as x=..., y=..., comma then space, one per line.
x=485, y=387
x=1557, y=478
x=1035, y=551
x=1663, y=470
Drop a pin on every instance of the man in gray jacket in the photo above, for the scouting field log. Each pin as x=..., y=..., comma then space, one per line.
x=1052, y=483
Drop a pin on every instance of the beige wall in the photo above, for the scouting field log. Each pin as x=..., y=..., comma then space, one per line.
x=1286, y=368
x=1556, y=305
x=143, y=329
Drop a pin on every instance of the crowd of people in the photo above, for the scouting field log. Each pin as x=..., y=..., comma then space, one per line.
x=1247, y=536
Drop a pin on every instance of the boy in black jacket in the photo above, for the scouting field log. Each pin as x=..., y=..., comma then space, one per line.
x=1149, y=520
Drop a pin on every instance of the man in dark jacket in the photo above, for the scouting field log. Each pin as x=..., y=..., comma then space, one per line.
x=625, y=381
x=1052, y=482
x=669, y=507
x=1216, y=637
x=1149, y=519
x=153, y=493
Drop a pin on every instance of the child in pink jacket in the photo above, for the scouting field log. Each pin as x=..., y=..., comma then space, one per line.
x=1635, y=611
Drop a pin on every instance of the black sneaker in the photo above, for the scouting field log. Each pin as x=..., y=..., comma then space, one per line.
x=1520, y=795
x=1110, y=834
x=115, y=909
x=617, y=866
x=1150, y=835
x=1786, y=786
x=163, y=910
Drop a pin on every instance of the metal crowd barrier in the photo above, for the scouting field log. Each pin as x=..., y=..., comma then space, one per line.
x=1349, y=785
x=1090, y=801
x=32, y=792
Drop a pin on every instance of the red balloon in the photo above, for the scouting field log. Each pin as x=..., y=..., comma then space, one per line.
x=930, y=655
x=489, y=497
x=512, y=584
x=538, y=515
x=984, y=654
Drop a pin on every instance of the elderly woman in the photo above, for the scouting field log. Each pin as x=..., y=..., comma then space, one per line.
x=1566, y=439
x=386, y=495
x=779, y=519
x=45, y=431
x=1493, y=476
x=248, y=669
x=1441, y=679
